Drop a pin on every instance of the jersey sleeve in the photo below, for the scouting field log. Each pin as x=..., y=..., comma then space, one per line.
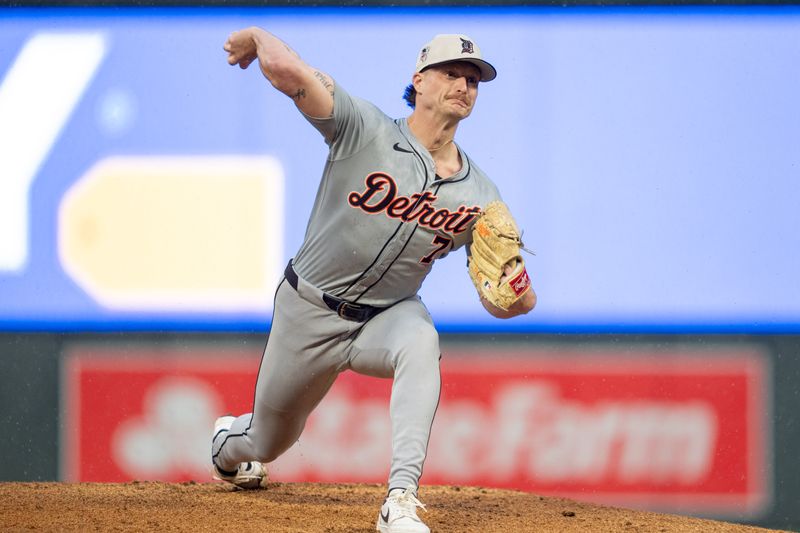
x=353, y=124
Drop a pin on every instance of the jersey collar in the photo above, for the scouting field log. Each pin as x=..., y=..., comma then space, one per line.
x=426, y=155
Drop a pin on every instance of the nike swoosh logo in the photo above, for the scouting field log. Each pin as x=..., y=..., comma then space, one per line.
x=397, y=148
x=385, y=518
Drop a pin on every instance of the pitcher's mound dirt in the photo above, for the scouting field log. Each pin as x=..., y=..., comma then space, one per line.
x=309, y=508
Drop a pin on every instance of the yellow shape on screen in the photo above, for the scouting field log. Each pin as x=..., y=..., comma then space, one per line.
x=199, y=233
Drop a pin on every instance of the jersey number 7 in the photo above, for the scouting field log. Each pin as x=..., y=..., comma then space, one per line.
x=441, y=243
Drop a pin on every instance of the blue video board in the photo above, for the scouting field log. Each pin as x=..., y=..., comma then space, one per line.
x=651, y=156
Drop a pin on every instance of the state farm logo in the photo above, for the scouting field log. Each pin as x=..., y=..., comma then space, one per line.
x=677, y=428
x=172, y=435
x=532, y=431
x=528, y=432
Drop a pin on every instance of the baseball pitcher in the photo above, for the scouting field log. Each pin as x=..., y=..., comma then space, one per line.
x=395, y=195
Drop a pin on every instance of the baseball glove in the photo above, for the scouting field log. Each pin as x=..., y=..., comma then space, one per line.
x=496, y=244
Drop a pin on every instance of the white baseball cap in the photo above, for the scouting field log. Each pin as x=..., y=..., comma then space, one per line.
x=454, y=47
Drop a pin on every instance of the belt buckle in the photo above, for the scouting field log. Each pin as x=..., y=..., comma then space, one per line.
x=346, y=307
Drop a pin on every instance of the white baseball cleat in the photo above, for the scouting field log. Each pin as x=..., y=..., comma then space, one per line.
x=398, y=513
x=249, y=475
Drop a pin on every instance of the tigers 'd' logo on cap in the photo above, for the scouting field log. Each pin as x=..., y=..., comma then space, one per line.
x=466, y=46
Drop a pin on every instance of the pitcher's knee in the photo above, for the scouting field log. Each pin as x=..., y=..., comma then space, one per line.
x=267, y=455
x=275, y=436
x=267, y=450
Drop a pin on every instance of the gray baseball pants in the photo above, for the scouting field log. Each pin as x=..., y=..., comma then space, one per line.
x=308, y=346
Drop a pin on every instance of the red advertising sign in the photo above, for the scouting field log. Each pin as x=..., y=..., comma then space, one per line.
x=677, y=429
x=137, y=413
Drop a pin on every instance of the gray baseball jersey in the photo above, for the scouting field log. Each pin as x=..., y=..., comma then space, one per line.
x=380, y=219
x=382, y=215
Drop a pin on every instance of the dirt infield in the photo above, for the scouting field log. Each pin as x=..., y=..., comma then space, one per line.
x=308, y=508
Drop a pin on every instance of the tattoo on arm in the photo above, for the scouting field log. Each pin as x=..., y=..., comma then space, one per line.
x=324, y=80
x=301, y=93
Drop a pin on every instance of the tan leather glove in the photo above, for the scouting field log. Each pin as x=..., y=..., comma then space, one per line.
x=496, y=243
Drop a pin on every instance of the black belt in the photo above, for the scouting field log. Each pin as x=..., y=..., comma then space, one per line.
x=343, y=308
